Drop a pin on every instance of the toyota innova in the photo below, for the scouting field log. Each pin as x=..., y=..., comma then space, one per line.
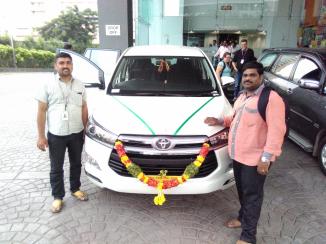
x=155, y=103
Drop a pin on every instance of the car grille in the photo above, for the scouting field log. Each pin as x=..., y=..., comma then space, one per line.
x=175, y=160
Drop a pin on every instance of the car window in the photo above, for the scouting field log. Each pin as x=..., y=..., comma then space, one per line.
x=105, y=59
x=268, y=59
x=284, y=65
x=307, y=69
x=163, y=76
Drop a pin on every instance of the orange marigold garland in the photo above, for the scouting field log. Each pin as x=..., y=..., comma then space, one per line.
x=162, y=183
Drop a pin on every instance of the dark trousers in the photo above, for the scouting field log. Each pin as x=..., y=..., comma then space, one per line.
x=237, y=84
x=57, y=149
x=250, y=186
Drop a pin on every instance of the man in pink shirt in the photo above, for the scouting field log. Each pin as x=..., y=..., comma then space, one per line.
x=253, y=144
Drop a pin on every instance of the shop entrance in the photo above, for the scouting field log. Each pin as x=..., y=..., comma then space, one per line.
x=228, y=37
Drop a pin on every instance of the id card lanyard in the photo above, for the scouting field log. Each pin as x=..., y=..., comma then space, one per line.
x=243, y=54
x=66, y=99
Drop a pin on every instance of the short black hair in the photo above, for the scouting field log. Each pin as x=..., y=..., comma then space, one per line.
x=62, y=55
x=244, y=40
x=254, y=65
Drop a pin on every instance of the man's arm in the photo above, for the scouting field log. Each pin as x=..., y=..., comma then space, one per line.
x=234, y=66
x=84, y=114
x=42, y=142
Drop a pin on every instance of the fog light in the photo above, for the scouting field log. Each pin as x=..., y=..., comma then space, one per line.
x=89, y=160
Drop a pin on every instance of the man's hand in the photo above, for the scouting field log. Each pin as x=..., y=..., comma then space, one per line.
x=42, y=143
x=211, y=121
x=262, y=168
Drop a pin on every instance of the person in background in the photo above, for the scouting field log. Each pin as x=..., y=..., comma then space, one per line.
x=233, y=48
x=222, y=49
x=62, y=104
x=67, y=46
x=253, y=144
x=241, y=57
x=224, y=67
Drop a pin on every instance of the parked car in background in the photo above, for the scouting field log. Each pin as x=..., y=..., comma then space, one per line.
x=155, y=103
x=299, y=76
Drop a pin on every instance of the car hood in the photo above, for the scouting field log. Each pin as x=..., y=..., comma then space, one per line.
x=143, y=115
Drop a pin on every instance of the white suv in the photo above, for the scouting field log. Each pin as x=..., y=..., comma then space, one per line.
x=155, y=104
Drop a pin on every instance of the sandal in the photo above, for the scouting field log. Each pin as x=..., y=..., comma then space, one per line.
x=57, y=205
x=233, y=223
x=80, y=195
x=242, y=242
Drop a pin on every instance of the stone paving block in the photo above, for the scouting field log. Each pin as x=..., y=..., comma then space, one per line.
x=20, y=236
x=17, y=227
x=5, y=228
x=7, y=236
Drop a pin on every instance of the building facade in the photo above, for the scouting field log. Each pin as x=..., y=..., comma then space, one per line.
x=265, y=23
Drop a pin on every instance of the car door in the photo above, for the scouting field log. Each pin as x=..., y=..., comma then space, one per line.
x=91, y=76
x=280, y=79
x=307, y=102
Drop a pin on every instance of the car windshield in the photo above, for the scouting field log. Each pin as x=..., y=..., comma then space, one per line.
x=169, y=76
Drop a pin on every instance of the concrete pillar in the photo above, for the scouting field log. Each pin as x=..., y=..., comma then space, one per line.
x=115, y=23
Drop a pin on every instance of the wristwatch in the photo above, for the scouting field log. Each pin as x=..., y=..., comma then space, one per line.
x=265, y=160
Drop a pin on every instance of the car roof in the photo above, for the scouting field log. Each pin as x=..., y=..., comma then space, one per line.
x=164, y=50
x=319, y=51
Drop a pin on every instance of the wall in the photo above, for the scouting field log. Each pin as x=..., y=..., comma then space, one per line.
x=285, y=23
x=115, y=12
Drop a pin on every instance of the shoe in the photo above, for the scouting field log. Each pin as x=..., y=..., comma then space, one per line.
x=242, y=242
x=233, y=223
x=80, y=195
x=57, y=205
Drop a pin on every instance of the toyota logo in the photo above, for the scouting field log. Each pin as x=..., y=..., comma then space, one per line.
x=163, y=144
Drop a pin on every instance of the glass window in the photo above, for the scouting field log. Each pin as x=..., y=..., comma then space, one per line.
x=105, y=59
x=268, y=59
x=164, y=76
x=307, y=69
x=284, y=65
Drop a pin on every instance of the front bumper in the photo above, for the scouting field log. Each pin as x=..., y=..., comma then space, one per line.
x=103, y=176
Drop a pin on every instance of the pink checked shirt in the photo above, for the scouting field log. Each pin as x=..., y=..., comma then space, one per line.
x=250, y=136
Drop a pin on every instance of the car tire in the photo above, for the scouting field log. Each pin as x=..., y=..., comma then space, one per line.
x=322, y=155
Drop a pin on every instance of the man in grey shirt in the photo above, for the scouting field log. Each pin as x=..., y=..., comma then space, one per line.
x=62, y=105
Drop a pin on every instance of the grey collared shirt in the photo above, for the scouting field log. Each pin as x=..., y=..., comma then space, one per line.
x=61, y=97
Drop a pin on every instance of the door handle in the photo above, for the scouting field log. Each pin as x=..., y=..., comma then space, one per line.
x=289, y=91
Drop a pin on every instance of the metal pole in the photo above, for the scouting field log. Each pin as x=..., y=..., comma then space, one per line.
x=13, y=51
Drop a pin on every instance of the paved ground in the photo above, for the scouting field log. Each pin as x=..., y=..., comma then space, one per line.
x=294, y=209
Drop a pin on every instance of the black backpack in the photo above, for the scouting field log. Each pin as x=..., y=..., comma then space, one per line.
x=262, y=104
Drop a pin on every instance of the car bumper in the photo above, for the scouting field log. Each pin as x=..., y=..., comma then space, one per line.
x=96, y=160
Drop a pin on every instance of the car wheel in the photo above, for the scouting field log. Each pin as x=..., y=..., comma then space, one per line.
x=322, y=155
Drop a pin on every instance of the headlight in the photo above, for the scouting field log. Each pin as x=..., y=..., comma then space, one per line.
x=98, y=133
x=220, y=139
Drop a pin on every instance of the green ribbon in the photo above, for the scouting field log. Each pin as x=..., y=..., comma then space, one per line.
x=149, y=128
x=138, y=117
x=192, y=115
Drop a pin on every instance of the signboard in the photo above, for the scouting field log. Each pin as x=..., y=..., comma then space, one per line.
x=112, y=30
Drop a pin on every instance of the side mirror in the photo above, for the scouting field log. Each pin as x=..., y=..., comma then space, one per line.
x=309, y=84
x=100, y=85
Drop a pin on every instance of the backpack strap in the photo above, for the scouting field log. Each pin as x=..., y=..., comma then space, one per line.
x=263, y=101
x=223, y=68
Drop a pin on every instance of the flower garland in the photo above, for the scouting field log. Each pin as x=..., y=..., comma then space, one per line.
x=163, y=182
